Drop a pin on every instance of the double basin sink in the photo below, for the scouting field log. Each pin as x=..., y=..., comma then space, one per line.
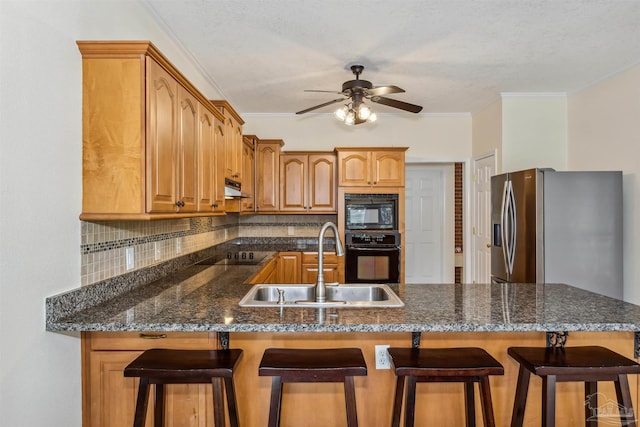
x=303, y=295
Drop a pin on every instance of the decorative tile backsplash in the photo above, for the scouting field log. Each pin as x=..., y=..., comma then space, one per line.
x=104, y=244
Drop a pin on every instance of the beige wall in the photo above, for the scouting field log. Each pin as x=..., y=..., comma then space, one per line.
x=487, y=131
x=40, y=157
x=604, y=134
x=431, y=138
x=534, y=131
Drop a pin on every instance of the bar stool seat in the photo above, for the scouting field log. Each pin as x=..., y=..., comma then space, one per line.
x=468, y=365
x=312, y=365
x=162, y=366
x=588, y=364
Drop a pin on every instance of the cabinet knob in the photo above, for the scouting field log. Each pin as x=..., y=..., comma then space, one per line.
x=180, y=204
x=214, y=205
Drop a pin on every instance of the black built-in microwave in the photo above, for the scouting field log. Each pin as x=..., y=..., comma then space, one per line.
x=371, y=211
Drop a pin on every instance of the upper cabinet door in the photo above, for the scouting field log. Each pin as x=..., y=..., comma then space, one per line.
x=267, y=191
x=354, y=168
x=387, y=168
x=162, y=119
x=248, y=174
x=188, y=110
x=293, y=182
x=322, y=182
x=371, y=167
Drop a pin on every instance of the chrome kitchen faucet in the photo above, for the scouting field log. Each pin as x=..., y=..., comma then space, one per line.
x=321, y=291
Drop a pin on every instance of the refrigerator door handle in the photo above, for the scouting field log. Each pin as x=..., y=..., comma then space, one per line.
x=511, y=238
x=503, y=229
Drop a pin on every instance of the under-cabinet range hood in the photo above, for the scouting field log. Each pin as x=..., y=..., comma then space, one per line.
x=232, y=189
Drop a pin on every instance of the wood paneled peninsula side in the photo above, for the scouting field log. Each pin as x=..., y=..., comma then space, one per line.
x=196, y=304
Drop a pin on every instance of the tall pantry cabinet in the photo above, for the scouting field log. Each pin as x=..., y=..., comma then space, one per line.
x=142, y=136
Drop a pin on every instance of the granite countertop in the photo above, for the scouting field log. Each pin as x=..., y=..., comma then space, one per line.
x=204, y=297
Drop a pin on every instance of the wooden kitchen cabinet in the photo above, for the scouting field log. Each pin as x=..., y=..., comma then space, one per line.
x=289, y=267
x=332, y=267
x=210, y=164
x=268, y=273
x=186, y=150
x=248, y=173
x=267, y=191
x=371, y=167
x=109, y=399
x=140, y=134
x=308, y=182
x=232, y=140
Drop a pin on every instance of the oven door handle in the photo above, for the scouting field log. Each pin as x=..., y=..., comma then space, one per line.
x=369, y=248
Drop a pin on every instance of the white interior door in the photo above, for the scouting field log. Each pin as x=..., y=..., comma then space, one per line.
x=483, y=169
x=429, y=223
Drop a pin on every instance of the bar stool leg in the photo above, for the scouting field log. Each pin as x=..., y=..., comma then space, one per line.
x=218, y=413
x=624, y=400
x=158, y=411
x=522, y=388
x=350, y=399
x=410, y=403
x=591, y=403
x=141, y=403
x=276, y=402
x=232, y=405
x=487, y=406
x=549, y=401
x=469, y=404
x=397, y=402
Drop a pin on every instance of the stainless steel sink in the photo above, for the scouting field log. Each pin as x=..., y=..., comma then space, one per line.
x=303, y=295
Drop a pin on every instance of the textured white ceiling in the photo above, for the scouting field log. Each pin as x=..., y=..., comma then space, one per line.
x=450, y=56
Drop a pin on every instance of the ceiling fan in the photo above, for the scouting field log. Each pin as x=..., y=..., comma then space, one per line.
x=356, y=91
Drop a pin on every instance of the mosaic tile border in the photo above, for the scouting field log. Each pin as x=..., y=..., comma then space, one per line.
x=195, y=228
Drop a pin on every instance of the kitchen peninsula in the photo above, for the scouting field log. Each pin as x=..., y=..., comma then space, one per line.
x=201, y=299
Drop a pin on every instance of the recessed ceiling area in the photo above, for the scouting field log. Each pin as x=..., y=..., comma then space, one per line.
x=450, y=56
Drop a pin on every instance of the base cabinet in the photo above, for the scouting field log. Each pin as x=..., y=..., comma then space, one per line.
x=109, y=399
x=437, y=404
x=332, y=267
x=289, y=267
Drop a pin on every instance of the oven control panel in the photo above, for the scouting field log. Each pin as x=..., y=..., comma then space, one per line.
x=372, y=239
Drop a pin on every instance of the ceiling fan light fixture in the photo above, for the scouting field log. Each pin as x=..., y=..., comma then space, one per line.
x=350, y=118
x=372, y=117
x=364, y=112
x=341, y=113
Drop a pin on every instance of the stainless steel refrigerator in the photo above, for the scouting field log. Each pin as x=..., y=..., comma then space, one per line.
x=558, y=227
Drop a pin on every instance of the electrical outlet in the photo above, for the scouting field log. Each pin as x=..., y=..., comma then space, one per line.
x=130, y=261
x=291, y=230
x=157, y=254
x=178, y=245
x=382, y=357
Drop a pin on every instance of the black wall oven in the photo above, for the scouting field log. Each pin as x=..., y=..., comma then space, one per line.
x=372, y=257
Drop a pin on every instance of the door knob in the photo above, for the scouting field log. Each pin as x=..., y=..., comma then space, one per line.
x=488, y=245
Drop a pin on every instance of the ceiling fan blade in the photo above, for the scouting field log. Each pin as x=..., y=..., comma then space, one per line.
x=384, y=90
x=397, y=104
x=320, y=106
x=323, y=91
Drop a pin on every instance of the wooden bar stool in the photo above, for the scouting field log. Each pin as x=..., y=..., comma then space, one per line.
x=563, y=364
x=467, y=365
x=160, y=367
x=312, y=365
